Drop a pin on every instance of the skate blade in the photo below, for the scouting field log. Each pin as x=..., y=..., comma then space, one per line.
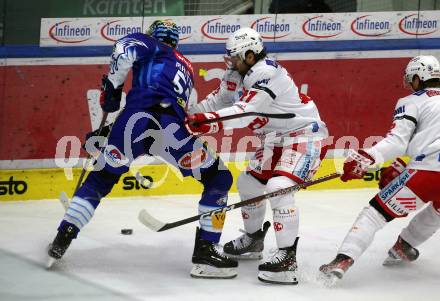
x=390, y=262
x=207, y=271
x=50, y=262
x=246, y=256
x=288, y=277
x=328, y=279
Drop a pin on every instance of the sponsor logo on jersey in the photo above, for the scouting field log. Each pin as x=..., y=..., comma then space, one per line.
x=431, y=93
x=216, y=29
x=399, y=110
x=394, y=186
x=231, y=86
x=113, y=154
x=67, y=32
x=322, y=27
x=418, y=25
x=12, y=186
x=193, y=159
x=244, y=215
x=277, y=226
x=116, y=29
x=370, y=26
x=270, y=29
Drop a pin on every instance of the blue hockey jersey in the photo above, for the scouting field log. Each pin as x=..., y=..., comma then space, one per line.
x=160, y=73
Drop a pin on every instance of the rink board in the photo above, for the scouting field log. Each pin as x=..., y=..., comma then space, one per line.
x=161, y=179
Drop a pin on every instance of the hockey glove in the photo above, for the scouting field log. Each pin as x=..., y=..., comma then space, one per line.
x=392, y=171
x=110, y=98
x=356, y=165
x=194, y=126
x=104, y=134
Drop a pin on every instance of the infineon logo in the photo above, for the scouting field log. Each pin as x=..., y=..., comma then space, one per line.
x=370, y=26
x=322, y=27
x=417, y=25
x=113, y=30
x=65, y=32
x=216, y=30
x=269, y=29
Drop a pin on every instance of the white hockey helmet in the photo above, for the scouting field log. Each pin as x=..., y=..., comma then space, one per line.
x=424, y=66
x=243, y=40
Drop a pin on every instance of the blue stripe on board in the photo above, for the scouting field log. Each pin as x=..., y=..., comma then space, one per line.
x=32, y=51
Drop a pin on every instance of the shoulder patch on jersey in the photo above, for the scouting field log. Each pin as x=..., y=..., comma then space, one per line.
x=420, y=92
x=271, y=63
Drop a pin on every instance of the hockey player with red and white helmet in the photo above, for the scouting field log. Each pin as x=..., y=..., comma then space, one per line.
x=415, y=133
x=291, y=149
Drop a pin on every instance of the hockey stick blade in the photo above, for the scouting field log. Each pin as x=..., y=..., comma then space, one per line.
x=64, y=199
x=156, y=225
x=150, y=221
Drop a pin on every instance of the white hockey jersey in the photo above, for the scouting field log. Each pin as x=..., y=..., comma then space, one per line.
x=267, y=88
x=415, y=132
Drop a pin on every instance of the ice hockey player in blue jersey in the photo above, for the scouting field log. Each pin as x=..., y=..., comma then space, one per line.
x=152, y=123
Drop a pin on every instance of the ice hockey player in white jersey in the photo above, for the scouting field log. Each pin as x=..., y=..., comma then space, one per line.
x=414, y=133
x=291, y=149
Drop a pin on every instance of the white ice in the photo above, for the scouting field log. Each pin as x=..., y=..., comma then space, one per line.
x=102, y=264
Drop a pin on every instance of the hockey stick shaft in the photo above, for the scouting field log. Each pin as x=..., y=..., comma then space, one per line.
x=241, y=115
x=83, y=172
x=158, y=226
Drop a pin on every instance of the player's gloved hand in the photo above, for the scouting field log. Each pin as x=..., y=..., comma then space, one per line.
x=104, y=133
x=194, y=123
x=110, y=98
x=356, y=165
x=392, y=171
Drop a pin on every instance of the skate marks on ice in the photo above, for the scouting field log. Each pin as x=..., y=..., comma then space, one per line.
x=156, y=266
x=24, y=279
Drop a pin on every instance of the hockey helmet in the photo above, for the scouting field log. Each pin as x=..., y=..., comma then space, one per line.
x=243, y=40
x=165, y=31
x=426, y=67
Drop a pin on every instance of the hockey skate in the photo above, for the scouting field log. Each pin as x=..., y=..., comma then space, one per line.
x=335, y=270
x=401, y=253
x=60, y=244
x=247, y=246
x=281, y=268
x=208, y=262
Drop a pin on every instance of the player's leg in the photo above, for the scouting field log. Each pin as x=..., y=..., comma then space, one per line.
x=296, y=164
x=110, y=165
x=250, y=245
x=193, y=158
x=423, y=225
x=391, y=202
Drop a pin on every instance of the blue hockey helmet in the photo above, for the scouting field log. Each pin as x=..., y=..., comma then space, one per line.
x=165, y=31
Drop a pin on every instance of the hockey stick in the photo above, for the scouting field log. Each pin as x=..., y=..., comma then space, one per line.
x=240, y=115
x=158, y=226
x=64, y=199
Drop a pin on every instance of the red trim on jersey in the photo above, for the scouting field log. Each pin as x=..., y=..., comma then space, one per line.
x=289, y=175
x=185, y=61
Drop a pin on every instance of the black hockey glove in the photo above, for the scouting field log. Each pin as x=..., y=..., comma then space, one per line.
x=104, y=133
x=110, y=98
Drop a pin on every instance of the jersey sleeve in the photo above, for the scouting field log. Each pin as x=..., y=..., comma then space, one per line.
x=396, y=141
x=126, y=52
x=222, y=97
x=258, y=97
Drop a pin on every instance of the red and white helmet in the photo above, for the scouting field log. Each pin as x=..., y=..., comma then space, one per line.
x=424, y=66
x=243, y=40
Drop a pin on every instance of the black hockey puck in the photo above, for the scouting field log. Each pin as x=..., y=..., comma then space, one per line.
x=127, y=231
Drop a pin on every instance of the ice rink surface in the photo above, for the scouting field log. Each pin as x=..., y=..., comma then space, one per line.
x=102, y=264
